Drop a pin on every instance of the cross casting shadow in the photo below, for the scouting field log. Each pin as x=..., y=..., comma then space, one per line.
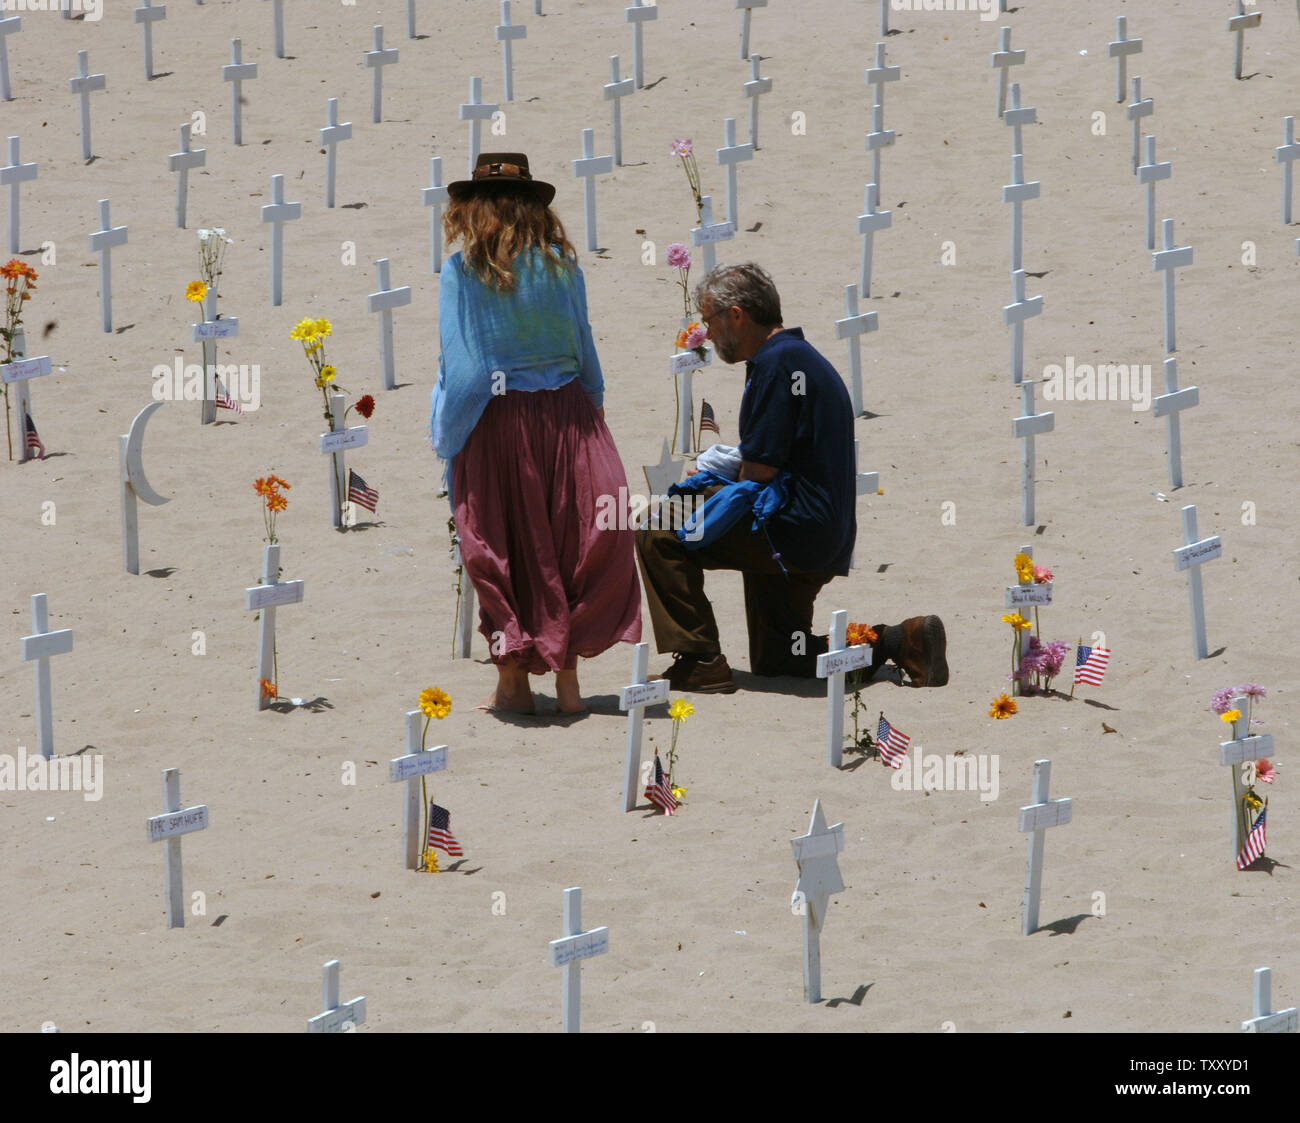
x=1091, y=702
x=221, y=920
x=354, y=206
x=124, y=327
x=164, y=74
x=402, y=385
x=779, y=684
x=1248, y=77
x=317, y=705
x=371, y=524
x=860, y=757
x=1215, y=654
x=1265, y=864
x=455, y=868
x=92, y=159
x=47, y=456
x=1064, y=927
x=166, y=571
x=858, y=995
x=652, y=85
x=83, y=749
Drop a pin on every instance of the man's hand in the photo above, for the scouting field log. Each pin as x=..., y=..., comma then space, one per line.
x=761, y=473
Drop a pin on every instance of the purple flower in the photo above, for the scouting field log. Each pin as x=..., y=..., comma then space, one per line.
x=1222, y=701
x=678, y=256
x=1252, y=690
x=683, y=146
x=1054, y=654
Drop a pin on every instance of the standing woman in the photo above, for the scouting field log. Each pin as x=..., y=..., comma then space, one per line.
x=518, y=411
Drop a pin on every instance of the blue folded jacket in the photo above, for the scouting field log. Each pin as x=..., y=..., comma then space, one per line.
x=721, y=511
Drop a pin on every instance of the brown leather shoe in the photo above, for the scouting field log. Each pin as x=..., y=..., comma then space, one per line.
x=691, y=674
x=918, y=645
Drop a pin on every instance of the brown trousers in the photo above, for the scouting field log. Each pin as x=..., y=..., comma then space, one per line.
x=778, y=606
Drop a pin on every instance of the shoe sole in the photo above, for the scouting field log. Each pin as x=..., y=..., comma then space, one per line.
x=716, y=688
x=936, y=640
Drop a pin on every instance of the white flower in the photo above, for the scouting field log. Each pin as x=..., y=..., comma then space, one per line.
x=220, y=233
x=204, y=235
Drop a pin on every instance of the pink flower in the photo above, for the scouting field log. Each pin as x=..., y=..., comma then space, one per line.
x=682, y=146
x=678, y=256
x=1222, y=700
x=1042, y=575
x=696, y=338
x=1264, y=771
x=1252, y=690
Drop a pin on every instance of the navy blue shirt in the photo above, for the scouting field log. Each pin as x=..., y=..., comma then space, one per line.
x=803, y=425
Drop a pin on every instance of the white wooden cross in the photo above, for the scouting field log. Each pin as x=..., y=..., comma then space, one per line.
x=1016, y=118
x=146, y=17
x=237, y=73
x=336, y=1017
x=434, y=196
x=1168, y=405
x=39, y=648
x=330, y=137
x=869, y=222
x=746, y=10
x=464, y=611
x=709, y=233
x=838, y=659
x=1191, y=556
x=1034, y=820
x=1284, y=155
x=167, y=828
x=135, y=485
x=376, y=59
x=634, y=699
x=102, y=242
x=1119, y=51
x=816, y=855
x=277, y=21
x=878, y=139
x=410, y=19
x=264, y=598
x=476, y=111
x=729, y=155
x=1149, y=174
x=1028, y=594
x=1017, y=193
x=1003, y=58
x=1167, y=259
x=1138, y=108
x=13, y=174
x=569, y=951
x=180, y=163
x=1264, y=1019
x=588, y=167
x=1234, y=754
x=335, y=444
x=383, y=302
x=865, y=483
x=83, y=85
x=20, y=373
x=8, y=26
x=1026, y=427
x=278, y=212
x=207, y=333
x=636, y=15
x=879, y=75
x=755, y=88
x=1239, y=24
x=616, y=89
x=1014, y=316
x=852, y=328
x=506, y=34
x=408, y=769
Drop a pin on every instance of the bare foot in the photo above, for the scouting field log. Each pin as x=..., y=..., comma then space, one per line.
x=568, y=699
x=513, y=694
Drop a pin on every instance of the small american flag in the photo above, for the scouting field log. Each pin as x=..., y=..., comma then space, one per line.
x=34, y=446
x=658, y=792
x=359, y=493
x=707, y=420
x=892, y=744
x=1254, y=847
x=225, y=401
x=440, y=831
x=1090, y=664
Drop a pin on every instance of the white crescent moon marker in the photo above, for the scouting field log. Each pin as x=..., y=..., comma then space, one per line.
x=134, y=466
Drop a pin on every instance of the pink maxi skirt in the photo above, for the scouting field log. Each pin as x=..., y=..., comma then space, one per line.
x=527, y=487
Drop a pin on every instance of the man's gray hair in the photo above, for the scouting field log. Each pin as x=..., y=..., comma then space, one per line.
x=747, y=286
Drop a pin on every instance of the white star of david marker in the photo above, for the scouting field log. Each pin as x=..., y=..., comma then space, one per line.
x=663, y=475
x=819, y=867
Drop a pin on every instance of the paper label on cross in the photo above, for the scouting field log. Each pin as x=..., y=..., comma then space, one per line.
x=176, y=823
x=24, y=369
x=1198, y=553
x=417, y=764
x=270, y=596
x=1246, y=748
x=684, y=361
x=643, y=694
x=570, y=949
x=1040, y=816
x=225, y=328
x=354, y=437
x=1020, y=596
x=335, y=1021
x=715, y=232
x=838, y=662
x=1287, y=1021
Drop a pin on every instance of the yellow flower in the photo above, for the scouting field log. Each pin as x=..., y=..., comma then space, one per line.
x=322, y=327
x=1017, y=621
x=327, y=374
x=680, y=710
x=1003, y=706
x=196, y=291
x=679, y=793
x=1024, y=567
x=1252, y=801
x=1230, y=716
x=304, y=330
x=431, y=862
x=435, y=703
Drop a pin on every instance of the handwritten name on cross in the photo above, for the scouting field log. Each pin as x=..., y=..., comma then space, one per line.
x=146, y=16
x=19, y=374
x=587, y=168
x=852, y=328
x=616, y=89
x=181, y=162
x=634, y=699
x=435, y=196
x=237, y=73
x=1004, y=58
x=383, y=302
x=730, y=155
x=1119, y=50
x=11, y=176
x=277, y=213
x=869, y=223
x=569, y=951
x=1264, y=1020
x=265, y=598
x=331, y=136
x=83, y=85
x=1041, y=814
x=168, y=828
x=336, y=1017
x=8, y=26
x=102, y=242
x=1191, y=556
x=506, y=33
x=207, y=333
x=754, y=89
x=334, y=444
x=838, y=659
x=1169, y=405
x=1014, y=316
x=376, y=59
x=39, y=648
x=476, y=111
x=408, y=769
x=1166, y=260
x=1239, y=24
x=1138, y=108
x=709, y=233
x=637, y=15
x=816, y=855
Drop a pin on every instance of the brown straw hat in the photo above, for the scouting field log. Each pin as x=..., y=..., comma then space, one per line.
x=502, y=171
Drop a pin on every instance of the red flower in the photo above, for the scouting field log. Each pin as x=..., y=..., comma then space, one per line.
x=366, y=406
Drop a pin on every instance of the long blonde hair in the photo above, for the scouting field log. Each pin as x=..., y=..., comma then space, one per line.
x=496, y=226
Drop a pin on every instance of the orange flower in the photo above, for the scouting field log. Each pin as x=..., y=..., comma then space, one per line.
x=268, y=687
x=264, y=486
x=276, y=502
x=1003, y=707
x=860, y=633
x=277, y=482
